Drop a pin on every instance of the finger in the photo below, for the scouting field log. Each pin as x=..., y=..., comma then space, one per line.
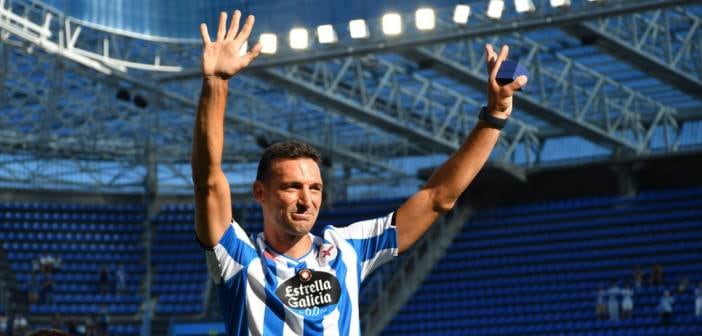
x=204, y=34
x=518, y=83
x=252, y=54
x=246, y=29
x=234, y=25
x=500, y=58
x=490, y=58
x=222, y=27
x=489, y=53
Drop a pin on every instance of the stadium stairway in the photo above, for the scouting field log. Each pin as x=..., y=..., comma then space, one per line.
x=534, y=269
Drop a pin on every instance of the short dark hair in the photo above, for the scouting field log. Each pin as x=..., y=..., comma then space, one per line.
x=288, y=149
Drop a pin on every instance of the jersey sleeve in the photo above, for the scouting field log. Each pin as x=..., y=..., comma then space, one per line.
x=233, y=253
x=374, y=240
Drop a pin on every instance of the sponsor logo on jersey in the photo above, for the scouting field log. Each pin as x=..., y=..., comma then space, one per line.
x=313, y=290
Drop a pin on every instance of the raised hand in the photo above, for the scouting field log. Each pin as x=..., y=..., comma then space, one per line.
x=500, y=96
x=221, y=58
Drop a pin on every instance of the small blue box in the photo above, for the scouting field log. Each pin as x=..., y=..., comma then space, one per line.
x=509, y=71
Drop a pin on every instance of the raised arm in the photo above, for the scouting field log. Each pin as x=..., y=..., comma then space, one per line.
x=449, y=181
x=220, y=61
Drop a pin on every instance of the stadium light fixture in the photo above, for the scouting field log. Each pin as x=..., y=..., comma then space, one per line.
x=358, y=29
x=269, y=43
x=299, y=38
x=425, y=19
x=560, y=3
x=495, y=9
x=392, y=24
x=326, y=34
x=461, y=14
x=244, y=48
x=524, y=6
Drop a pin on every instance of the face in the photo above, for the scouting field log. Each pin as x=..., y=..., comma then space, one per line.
x=290, y=196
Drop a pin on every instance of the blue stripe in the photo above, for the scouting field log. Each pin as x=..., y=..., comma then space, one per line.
x=238, y=249
x=344, y=304
x=274, y=316
x=367, y=248
x=313, y=327
x=232, y=301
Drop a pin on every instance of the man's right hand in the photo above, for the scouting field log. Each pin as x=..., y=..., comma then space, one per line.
x=221, y=58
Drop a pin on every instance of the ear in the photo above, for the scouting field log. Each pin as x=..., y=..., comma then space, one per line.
x=257, y=188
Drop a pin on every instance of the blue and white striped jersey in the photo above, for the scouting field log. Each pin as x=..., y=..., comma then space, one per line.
x=263, y=292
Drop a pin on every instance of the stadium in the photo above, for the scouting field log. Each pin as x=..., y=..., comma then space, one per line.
x=585, y=220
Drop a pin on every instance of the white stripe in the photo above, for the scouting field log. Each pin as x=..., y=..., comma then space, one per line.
x=331, y=323
x=293, y=322
x=220, y=264
x=255, y=296
x=351, y=282
x=378, y=259
x=241, y=234
x=368, y=228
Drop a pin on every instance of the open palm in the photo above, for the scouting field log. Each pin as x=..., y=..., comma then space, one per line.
x=221, y=58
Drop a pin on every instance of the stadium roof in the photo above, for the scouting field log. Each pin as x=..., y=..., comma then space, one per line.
x=102, y=95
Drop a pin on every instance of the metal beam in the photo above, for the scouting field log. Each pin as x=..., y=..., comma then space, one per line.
x=569, y=95
x=663, y=43
x=383, y=94
x=525, y=102
x=479, y=26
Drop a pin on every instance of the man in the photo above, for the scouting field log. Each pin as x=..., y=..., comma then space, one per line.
x=285, y=280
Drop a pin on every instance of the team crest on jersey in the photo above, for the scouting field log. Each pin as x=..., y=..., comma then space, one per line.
x=327, y=252
x=310, y=292
x=305, y=275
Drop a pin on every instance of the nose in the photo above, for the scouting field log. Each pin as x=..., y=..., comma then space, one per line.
x=305, y=198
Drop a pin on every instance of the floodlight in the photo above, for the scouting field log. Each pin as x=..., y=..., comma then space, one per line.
x=326, y=34
x=524, y=6
x=358, y=29
x=299, y=38
x=244, y=48
x=425, y=19
x=269, y=43
x=495, y=8
x=461, y=14
x=392, y=24
x=560, y=3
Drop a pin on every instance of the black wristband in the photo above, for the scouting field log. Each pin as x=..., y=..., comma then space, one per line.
x=495, y=122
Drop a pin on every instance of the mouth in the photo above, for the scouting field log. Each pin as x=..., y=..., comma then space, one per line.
x=301, y=216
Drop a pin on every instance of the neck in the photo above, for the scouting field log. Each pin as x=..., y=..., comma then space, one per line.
x=290, y=245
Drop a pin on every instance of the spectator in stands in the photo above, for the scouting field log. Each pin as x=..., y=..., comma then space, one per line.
x=121, y=279
x=683, y=284
x=104, y=280
x=20, y=325
x=698, y=300
x=72, y=325
x=3, y=324
x=36, y=267
x=665, y=307
x=9, y=325
x=613, y=302
x=638, y=277
x=47, y=289
x=656, y=275
x=103, y=320
x=601, y=308
x=57, y=322
x=627, y=302
x=33, y=290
